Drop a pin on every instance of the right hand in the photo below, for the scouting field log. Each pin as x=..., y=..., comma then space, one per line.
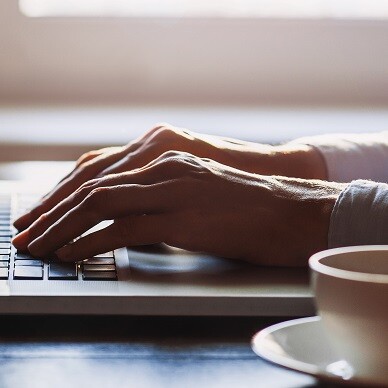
x=297, y=161
x=190, y=203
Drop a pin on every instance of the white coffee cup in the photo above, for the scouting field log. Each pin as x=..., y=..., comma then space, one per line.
x=351, y=294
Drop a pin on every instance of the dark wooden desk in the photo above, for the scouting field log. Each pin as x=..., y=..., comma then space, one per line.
x=137, y=352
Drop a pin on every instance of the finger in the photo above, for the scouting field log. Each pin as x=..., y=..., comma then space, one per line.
x=157, y=171
x=130, y=162
x=101, y=204
x=88, y=157
x=128, y=231
x=158, y=140
x=80, y=175
x=65, y=188
x=94, y=153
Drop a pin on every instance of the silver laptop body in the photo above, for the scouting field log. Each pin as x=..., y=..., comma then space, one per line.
x=157, y=280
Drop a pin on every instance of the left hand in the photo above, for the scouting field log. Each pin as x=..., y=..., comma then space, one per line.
x=191, y=203
x=294, y=160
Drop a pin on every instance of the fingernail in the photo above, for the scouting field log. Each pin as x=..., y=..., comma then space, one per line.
x=64, y=252
x=34, y=248
x=22, y=240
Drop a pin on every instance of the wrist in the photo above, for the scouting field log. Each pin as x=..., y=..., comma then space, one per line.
x=299, y=161
x=300, y=212
x=290, y=160
x=312, y=203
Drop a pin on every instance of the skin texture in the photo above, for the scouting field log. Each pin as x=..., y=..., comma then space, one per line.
x=299, y=161
x=214, y=201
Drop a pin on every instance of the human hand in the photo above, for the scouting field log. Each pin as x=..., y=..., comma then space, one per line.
x=191, y=203
x=288, y=160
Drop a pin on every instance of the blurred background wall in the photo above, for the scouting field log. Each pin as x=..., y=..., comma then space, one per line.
x=68, y=84
x=192, y=60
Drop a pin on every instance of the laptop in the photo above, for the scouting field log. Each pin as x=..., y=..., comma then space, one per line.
x=154, y=280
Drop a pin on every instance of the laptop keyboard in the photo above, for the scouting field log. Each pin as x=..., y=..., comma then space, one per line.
x=22, y=266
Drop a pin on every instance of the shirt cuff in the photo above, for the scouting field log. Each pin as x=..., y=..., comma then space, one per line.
x=353, y=156
x=360, y=215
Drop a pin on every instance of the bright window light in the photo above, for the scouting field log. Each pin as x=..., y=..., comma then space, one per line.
x=316, y=9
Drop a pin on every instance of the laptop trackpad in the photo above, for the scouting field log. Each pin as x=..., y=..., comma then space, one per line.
x=161, y=258
x=163, y=264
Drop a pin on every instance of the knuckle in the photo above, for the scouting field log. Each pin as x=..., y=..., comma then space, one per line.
x=85, y=189
x=42, y=218
x=84, y=157
x=176, y=159
x=184, y=163
x=156, y=128
x=167, y=133
x=96, y=199
x=160, y=125
x=171, y=155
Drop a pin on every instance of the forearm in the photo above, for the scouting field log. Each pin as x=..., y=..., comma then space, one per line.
x=292, y=160
x=336, y=157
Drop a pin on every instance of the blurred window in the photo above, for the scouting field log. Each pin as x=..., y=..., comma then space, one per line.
x=315, y=9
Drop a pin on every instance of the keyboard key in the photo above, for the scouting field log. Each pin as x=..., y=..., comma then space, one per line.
x=3, y=273
x=31, y=273
x=23, y=256
x=4, y=257
x=5, y=245
x=100, y=261
x=88, y=267
x=5, y=239
x=31, y=263
x=97, y=275
x=4, y=264
x=4, y=222
x=5, y=228
x=63, y=271
x=5, y=233
x=5, y=251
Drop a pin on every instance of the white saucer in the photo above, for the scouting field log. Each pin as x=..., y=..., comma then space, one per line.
x=302, y=345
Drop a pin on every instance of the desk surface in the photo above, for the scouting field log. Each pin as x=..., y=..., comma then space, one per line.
x=141, y=352
x=124, y=351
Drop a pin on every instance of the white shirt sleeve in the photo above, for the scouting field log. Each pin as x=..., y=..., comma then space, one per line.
x=353, y=156
x=360, y=215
